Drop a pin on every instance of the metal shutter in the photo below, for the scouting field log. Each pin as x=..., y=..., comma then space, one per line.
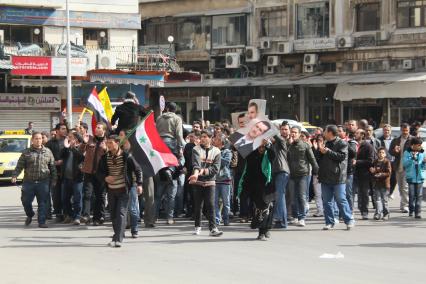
x=18, y=119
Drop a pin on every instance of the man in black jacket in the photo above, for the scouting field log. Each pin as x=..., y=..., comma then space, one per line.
x=120, y=171
x=333, y=165
x=128, y=114
x=364, y=161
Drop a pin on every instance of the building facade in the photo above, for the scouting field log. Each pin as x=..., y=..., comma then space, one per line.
x=102, y=32
x=314, y=60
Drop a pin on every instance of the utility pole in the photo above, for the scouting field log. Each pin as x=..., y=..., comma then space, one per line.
x=69, y=87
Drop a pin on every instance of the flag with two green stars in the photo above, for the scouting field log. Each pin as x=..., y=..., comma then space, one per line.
x=148, y=148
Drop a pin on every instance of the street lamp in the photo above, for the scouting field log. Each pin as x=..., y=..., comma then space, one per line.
x=170, y=39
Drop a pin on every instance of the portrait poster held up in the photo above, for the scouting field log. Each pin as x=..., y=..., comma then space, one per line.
x=256, y=129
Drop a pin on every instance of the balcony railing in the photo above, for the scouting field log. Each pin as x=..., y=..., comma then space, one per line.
x=158, y=58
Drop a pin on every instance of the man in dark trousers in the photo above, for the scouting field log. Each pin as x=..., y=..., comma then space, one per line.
x=128, y=114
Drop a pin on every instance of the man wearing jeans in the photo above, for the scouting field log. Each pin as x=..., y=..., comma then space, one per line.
x=397, y=147
x=333, y=159
x=299, y=158
x=40, y=171
x=281, y=172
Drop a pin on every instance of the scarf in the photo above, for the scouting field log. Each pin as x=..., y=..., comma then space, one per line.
x=266, y=168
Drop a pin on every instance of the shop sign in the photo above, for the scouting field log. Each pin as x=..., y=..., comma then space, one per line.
x=315, y=43
x=30, y=101
x=47, y=66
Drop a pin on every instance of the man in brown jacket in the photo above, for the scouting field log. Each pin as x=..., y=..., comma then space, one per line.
x=93, y=149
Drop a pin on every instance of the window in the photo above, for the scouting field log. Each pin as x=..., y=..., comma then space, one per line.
x=156, y=31
x=313, y=20
x=273, y=23
x=411, y=14
x=96, y=38
x=23, y=34
x=193, y=33
x=368, y=17
x=229, y=30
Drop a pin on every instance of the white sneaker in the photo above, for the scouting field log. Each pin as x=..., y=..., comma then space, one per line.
x=111, y=244
x=336, y=221
x=117, y=244
x=293, y=221
x=328, y=227
x=216, y=233
x=350, y=225
x=301, y=223
x=197, y=231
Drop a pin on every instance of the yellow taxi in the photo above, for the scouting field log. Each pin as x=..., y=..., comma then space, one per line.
x=11, y=147
x=310, y=128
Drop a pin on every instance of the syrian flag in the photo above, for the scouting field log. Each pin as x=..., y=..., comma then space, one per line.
x=148, y=148
x=95, y=105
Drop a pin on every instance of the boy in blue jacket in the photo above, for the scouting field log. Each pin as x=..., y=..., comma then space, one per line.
x=414, y=164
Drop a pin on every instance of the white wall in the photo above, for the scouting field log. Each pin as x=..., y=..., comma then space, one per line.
x=106, y=6
x=57, y=35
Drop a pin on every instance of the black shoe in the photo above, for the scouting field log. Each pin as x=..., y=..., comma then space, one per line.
x=418, y=217
x=43, y=226
x=135, y=235
x=28, y=221
x=410, y=214
x=150, y=226
x=102, y=220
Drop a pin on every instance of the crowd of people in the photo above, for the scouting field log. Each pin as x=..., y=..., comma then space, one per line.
x=76, y=177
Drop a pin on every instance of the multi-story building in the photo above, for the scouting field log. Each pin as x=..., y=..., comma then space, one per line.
x=314, y=60
x=103, y=32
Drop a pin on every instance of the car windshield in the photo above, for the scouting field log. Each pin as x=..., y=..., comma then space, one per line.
x=12, y=145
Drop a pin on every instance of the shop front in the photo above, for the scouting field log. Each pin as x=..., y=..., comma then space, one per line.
x=18, y=109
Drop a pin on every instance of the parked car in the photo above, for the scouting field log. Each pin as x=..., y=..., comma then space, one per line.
x=11, y=147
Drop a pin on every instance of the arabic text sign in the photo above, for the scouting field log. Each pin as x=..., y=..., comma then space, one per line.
x=47, y=66
x=39, y=101
x=315, y=43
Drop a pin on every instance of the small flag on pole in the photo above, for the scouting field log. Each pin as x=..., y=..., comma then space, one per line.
x=99, y=115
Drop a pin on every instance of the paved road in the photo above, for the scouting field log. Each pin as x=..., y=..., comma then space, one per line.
x=374, y=252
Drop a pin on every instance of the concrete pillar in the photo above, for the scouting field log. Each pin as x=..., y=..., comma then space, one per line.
x=302, y=104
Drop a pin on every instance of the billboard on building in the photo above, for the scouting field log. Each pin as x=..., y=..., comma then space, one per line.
x=47, y=66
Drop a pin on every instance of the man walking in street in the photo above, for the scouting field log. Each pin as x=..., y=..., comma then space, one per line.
x=38, y=164
x=300, y=159
x=398, y=146
x=169, y=126
x=364, y=160
x=333, y=159
x=93, y=149
x=120, y=172
x=281, y=173
x=56, y=145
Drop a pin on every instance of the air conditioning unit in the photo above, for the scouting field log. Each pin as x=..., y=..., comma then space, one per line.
x=252, y=54
x=308, y=68
x=107, y=61
x=285, y=47
x=265, y=44
x=310, y=59
x=268, y=70
x=407, y=64
x=273, y=60
x=232, y=60
x=345, y=42
x=212, y=65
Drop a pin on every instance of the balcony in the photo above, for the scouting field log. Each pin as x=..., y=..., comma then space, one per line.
x=144, y=58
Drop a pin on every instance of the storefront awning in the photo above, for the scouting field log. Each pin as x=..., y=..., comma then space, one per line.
x=44, y=83
x=379, y=86
x=151, y=80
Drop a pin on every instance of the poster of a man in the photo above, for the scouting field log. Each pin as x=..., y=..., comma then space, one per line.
x=249, y=138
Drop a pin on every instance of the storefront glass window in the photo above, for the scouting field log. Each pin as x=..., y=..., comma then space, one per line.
x=273, y=23
x=320, y=105
x=283, y=104
x=368, y=17
x=229, y=30
x=313, y=20
x=157, y=30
